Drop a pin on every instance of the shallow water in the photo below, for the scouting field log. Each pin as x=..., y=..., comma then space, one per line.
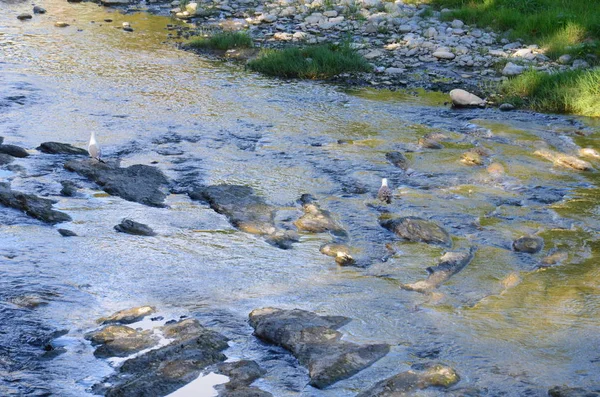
x=507, y=327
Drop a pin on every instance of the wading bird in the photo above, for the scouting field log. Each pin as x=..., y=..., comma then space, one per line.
x=385, y=193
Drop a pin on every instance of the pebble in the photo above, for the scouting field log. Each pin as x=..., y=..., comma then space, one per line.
x=24, y=16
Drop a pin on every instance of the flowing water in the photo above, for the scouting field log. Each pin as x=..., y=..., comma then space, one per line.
x=507, y=327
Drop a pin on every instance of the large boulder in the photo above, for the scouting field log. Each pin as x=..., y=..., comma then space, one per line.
x=61, y=148
x=161, y=371
x=314, y=341
x=419, y=377
x=33, y=206
x=143, y=184
x=418, y=230
x=245, y=211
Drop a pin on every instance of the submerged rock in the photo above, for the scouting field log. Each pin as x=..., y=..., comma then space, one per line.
x=471, y=157
x=131, y=227
x=528, y=244
x=120, y=341
x=449, y=264
x=314, y=341
x=142, y=184
x=13, y=150
x=33, y=206
x=161, y=371
x=564, y=160
x=430, y=143
x=61, y=148
x=317, y=220
x=397, y=159
x=566, y=391
x=69, y=188
x=418, y=230
x=420, y=376
x=245, y=211
x=127, y=316
x=6, y=159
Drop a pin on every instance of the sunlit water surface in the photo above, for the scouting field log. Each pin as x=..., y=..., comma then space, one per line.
x=506, y=327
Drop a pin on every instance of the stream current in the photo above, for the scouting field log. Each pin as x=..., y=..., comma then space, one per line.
x=506, y=326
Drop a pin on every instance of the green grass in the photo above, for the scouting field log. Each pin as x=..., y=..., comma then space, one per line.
x=313, y=62
x=575, y=91
x=560, y=26
x=222, y=41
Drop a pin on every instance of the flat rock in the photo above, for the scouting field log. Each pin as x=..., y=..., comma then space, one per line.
x=566, y=391
x=444, y=55
x=61, y=148
x=528, y=244
x=131, y=227
x=120, y=341
x=419, y=377
x=564, y=160
x=33, y=206
x=245, y=211
x=418, y=230
x=143, y=184
x=127, y=316
x=314, y=341
x=462, y=98
x=161, y=371
x=13, y=150
x=241, y=373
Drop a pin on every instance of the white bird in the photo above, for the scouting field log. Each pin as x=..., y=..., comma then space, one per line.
x=385, y=193
x=94, y=149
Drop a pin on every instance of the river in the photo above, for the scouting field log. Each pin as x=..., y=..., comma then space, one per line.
x=506, y=326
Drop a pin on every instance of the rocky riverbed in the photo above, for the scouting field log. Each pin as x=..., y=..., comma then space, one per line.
x=234, y=231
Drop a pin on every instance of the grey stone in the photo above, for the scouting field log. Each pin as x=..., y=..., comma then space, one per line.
x=528, y=244
x=131, y=227
x=33, y=206
x=512, y=70
x=13, y=150
x=418, y=230
x=61, y=148
x=127, y=316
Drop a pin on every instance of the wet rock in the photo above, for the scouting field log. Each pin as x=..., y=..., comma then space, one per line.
x=528, y=244
x=245, y=392
x=69, y=189
x=131, y=227
x=418, y=230
x=39, y=10
x=161, y=371
x=6, y=159
x=462, y=98
x=127, y=316
x=314, y=341
x=139, y=183
x=120, y=341
x=24, y=16
x=67, y=233
x=61, y=148
x=317, y=220
x=241, y=373
x=496, y=169
x=13, y=150
x=449, y=264
x=245, y=211
x=566, y=391
x=61, y=24
x=589, y=152
x=419, y=377
x=564, y=160
x=554, y=258
x=33, y=206
x=397, y=159
x=506, y=107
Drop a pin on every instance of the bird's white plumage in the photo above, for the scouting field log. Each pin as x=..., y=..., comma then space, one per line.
x=385, y=193
x=93, y=147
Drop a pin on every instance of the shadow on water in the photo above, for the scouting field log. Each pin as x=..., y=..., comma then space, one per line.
x=508, y=325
